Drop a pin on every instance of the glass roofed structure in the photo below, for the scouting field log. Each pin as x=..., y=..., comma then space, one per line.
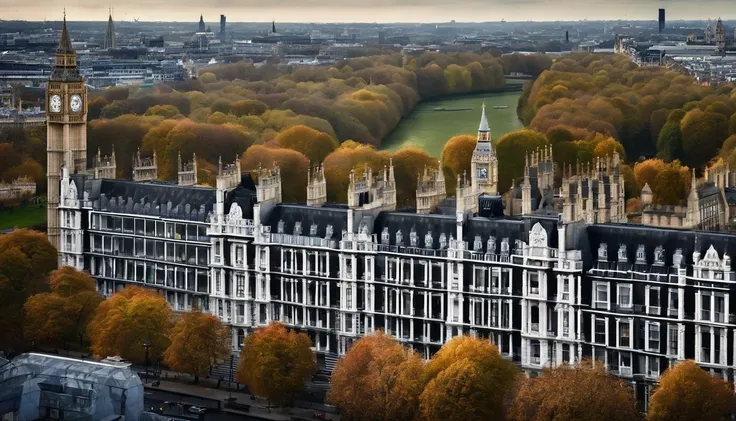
x=37, y=386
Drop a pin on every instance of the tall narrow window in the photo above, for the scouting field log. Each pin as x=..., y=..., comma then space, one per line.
x=624, y=295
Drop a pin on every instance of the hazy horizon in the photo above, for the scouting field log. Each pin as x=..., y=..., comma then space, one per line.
x=379, y=11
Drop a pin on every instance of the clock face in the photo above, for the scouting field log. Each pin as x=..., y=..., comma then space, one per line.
x=55, y=103
x=482, y=173
x=75, y=103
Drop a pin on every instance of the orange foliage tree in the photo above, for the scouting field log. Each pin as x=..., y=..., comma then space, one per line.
x=510, y=150
x=378, y=380
x=26, y=258
x=468, y=379
x=670, y=182
x=61, y=316
x=199, y=341
x=688, y=393
x=275, y=362
x=583, y=392
x=313, y=144
x=456, y=157
x=127, y=320
x=350, y=156
x=408, y=164
x=292, y=164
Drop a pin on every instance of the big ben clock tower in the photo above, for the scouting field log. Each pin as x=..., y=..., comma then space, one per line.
x=66, y=126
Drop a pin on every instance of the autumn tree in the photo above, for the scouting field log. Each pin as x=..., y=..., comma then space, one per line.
x=61, y=316
x=26, y=258
x=408, y=164
x=311, y=143
x=689, y=393
x=456, y=157
x=703, y=134
x=566, y=393
x=127, y=320
x=292, y=165
x=378, y=380
x=199, y=341
x=669, y=182
x=350, y=156
x=275, y=362
x=468, y=379
x=510, y=150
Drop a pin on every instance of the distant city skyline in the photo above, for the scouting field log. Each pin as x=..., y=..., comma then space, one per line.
x=376, y=11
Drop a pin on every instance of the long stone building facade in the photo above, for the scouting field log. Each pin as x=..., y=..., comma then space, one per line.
x=561, y=282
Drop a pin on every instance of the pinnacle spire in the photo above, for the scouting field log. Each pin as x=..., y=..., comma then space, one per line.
x=484, y=121
x=65, y=44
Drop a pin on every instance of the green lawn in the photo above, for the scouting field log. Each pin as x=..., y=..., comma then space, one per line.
x=22, y=216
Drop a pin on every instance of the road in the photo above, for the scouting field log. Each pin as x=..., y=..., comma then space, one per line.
x=156, y=401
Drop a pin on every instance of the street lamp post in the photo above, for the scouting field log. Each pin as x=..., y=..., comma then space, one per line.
x=146, y=345
x=230, y=398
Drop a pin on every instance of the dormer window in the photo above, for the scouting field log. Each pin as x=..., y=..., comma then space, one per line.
x=329, y=232
x=384, y=236
x=603, y=252
x=399, y=238
x=677, y=258
x=313, y=230
x=413, y=238
x=280, y=227
x=505, y=247
x=443, y=241
x=622, y=253
x=297, y=228
x=641, y=256
x=428, y=240
x=478, y=243
x=491, y=245
x=659, y=255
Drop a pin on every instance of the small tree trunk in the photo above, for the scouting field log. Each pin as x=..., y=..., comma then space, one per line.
x=196, y=379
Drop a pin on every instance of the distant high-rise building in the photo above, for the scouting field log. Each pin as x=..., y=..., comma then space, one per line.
x=109, y=34
x=201, y=24
x=720, y=37
x=567, y=36
x=223, y=22
x=661, y=20
x=708, y=33
x=273, y=27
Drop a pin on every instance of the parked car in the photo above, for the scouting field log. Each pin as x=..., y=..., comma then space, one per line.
x=320, y=416
x=196, y=410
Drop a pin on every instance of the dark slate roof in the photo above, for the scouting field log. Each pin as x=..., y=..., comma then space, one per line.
x=633, y=235
x=707, y=189
x=420, y=223
x=244, y=195
x=155, y=199
x=309, y=215
x=730, y=195
x=515, y=229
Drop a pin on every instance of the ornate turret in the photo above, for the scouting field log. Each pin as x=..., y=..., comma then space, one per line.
x=466, y=200
x=316, y=186
x=720, y=37
x=269, y=184
x=187, y=171
x=145, y=169
x=373, y=193
x=228, y=176
x=484, y=164
x=430, y=189
x=65, y=69
x=105, y=167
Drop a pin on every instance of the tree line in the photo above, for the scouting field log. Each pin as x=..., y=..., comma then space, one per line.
x=653, y=112
x=468, y=380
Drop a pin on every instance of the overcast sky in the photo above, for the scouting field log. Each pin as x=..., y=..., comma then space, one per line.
x=367, y=10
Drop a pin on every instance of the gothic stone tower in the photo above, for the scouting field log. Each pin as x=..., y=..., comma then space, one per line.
x=66, y=127
x=484, y=165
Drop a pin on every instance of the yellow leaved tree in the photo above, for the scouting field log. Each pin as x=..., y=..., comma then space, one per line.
x=378, y=380
x=689, y=393
x=199, y=341
x=275, y=362
x=129, y=319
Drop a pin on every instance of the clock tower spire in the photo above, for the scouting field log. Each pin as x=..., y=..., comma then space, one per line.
x=66, y=125
x=484, y=164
